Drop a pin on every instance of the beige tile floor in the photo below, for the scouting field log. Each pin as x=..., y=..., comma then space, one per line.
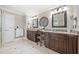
x=24, y=47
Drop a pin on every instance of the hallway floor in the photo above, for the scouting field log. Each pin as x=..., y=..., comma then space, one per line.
x=24, y=47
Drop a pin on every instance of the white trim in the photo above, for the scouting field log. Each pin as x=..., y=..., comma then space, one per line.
x=12, y=11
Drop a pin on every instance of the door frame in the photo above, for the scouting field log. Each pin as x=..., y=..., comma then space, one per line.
x=3, y=22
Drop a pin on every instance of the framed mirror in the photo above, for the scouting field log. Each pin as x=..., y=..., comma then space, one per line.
x=43, y=21
x=59, y=19
x=35, y=23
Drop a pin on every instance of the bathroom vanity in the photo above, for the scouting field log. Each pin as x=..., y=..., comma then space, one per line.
x=59, y=42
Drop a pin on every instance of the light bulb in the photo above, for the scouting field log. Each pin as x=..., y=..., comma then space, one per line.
x=52, y=12
x=55, y=11
x=60, y=10
x=65, y=8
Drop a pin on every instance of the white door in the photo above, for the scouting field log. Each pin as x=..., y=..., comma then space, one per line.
x=8, y=29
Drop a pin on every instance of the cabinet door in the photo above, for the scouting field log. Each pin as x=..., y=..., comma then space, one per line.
x=62, y=48
x=28, y=34
x=33, y=36
x=53, y=42
x=46, y=39
x=72, y=44
x=75, y=45
x=58, y=42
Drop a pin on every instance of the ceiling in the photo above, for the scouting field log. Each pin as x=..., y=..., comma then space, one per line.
x=30, y=10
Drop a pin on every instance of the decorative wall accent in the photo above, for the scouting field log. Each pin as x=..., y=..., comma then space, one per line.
x=75, y=22
x=35, y=23
x=43, y=21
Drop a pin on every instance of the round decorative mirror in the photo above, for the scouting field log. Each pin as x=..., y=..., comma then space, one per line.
x=43, y=22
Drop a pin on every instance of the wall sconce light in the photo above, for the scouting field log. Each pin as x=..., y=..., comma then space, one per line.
x=52, y=12
x=65, y=8
x=75, y=22
x=74, y=19
x=55, y=11
x=60, y=9
x=35, y=17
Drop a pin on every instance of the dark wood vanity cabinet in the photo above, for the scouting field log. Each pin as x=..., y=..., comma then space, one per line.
x=56, y=42
x=62, y=43
x=28, y=34
x=72, y=44
x=46, y=39
x=31, y=35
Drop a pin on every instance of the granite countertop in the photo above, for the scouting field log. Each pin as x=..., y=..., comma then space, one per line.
x=72, y=33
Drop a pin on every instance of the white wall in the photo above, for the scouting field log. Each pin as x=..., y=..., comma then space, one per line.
x=76, y=14
x=49, y=16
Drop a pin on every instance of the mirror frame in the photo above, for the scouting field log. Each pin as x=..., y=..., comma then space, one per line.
x=43, y=18
x=65, y=20
x=35, y=23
